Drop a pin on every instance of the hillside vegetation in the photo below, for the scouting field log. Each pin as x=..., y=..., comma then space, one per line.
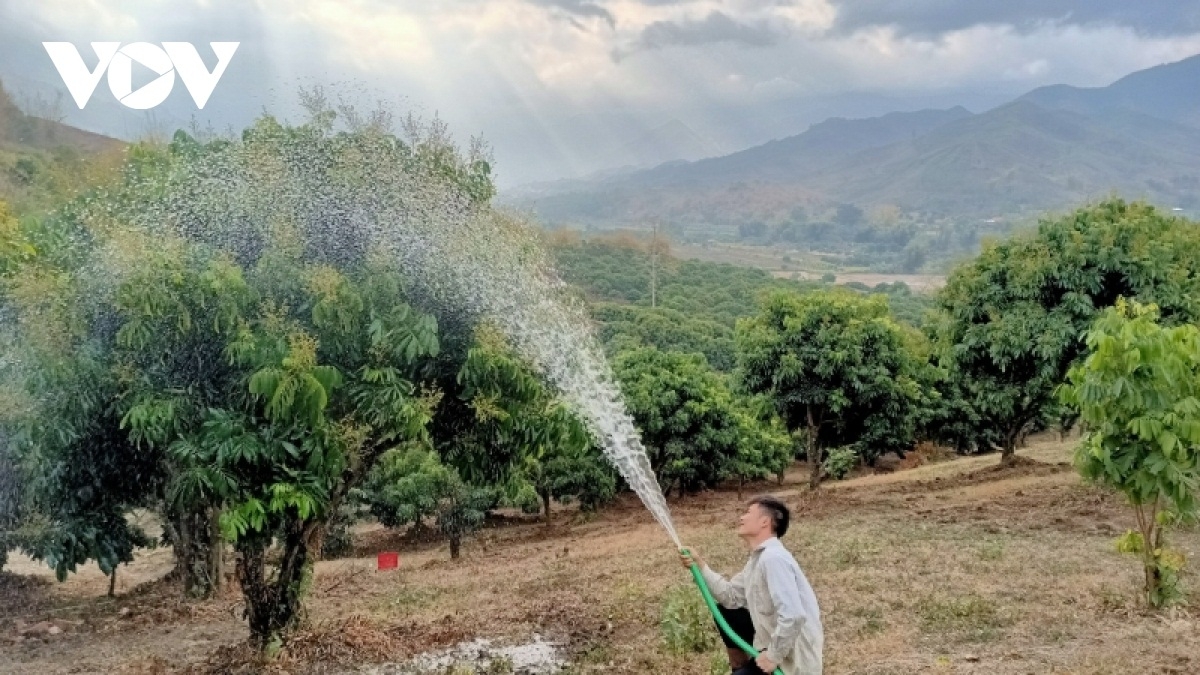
x=42, y=160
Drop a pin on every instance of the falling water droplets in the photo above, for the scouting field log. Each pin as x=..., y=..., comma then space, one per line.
x=352, y=195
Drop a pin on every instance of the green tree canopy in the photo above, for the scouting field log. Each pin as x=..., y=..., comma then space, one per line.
x=411, y=485
x=691, y=424
x=501, y=424
x=666, y=329
x=837, y=368
x=220, y=333
x=1014, y=320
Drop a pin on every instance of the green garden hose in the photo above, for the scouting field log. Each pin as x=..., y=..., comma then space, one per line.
x=712, y=607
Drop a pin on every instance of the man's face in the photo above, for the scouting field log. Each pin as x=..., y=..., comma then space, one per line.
x=753, y=522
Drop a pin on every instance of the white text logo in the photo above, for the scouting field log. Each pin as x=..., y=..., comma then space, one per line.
x=167, y=60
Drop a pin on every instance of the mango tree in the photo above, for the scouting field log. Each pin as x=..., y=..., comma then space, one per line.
x=411, y=485
x=218, y=334
x=81, y=473
x=1013, y=320
x=667, y=329
x=765, y=448
x=13, y=251
x=330, y=388
x=571, y=473
x=693, y=426
x=176, y=320
x=837, y=369
x=1138, y=391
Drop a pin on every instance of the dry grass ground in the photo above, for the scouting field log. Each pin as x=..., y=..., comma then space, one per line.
x=954, y=567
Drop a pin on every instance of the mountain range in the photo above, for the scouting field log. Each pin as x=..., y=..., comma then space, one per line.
x=1049, y=149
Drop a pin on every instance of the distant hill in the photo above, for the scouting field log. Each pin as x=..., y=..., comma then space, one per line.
x=1170, y=91
x=1023, y=158
x=673, y=141
x=42, y=161
x=744, y=184
x=805, y=154
x=1049, y=149
x=19, y=131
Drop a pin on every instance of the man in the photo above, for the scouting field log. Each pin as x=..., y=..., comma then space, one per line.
x=782, y=605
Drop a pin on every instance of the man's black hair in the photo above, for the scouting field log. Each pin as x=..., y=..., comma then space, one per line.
x=781, y=516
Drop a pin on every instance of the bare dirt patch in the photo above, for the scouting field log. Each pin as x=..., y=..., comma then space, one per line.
x=1019, y=468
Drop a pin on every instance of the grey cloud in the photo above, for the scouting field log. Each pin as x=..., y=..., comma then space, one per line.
x=714, y=28
x=925, y=18
x=579, y=8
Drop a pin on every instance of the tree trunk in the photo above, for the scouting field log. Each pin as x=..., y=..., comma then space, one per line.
x=814, y=469
x=455, y=546
x=112, y=583
x=257, y=593
x=182, y=545
x=814, y=453
x=171, y=536
x=1151, y=533
x=199, y=550
x=741, y=486
x=546, y=506
x=273, y=607
x=1153, y=573
x=216, y=551
x=1153, y=579
x=1008, y=455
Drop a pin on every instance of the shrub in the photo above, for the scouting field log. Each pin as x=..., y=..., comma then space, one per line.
x=839, y=462
x=687, y=625
x=412, y=484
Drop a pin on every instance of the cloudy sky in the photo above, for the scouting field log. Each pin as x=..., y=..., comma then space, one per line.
x=555, y=85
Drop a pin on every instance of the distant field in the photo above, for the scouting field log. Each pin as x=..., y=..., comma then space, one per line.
x=800, y=265
x=763, y=257
x=918, y=282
